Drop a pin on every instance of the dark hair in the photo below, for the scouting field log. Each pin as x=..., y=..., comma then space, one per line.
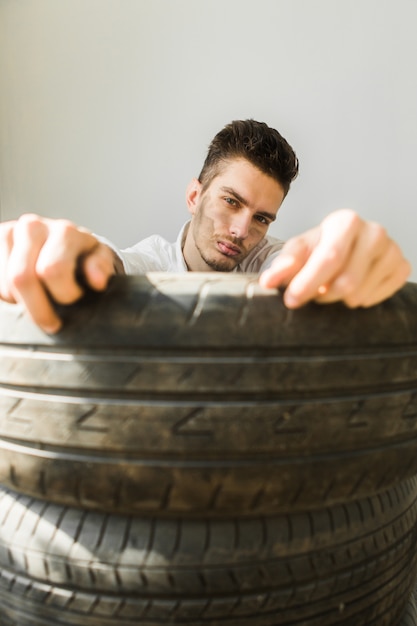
x=256, y=142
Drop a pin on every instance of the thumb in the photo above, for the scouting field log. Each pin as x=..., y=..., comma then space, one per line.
x=288, y=263
x=95, y=268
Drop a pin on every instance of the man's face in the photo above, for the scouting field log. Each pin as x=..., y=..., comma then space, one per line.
x=230, y=217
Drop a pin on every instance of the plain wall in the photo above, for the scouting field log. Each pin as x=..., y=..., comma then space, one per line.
x=107, y=106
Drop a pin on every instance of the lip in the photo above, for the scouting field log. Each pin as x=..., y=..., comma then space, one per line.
x=228, y=248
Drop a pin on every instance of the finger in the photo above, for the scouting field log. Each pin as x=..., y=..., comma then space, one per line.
x=389, y=286
x=285, y=266
x=363, y=267
x=375, y=270
x=98, y=266
x=338, y=233
x=57, y=262
x=386, y=275
x=29, y=235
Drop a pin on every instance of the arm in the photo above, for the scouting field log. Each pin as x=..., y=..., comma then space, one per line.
x=343, y=259
x=40, y=260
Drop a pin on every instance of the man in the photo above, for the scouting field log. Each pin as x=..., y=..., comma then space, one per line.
x=245, y=178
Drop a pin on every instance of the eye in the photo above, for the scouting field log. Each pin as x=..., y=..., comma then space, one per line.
x=231, y=201
x=262, y=219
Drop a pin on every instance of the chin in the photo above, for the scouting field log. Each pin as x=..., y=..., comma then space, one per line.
x=222, y=266
x=220, y=263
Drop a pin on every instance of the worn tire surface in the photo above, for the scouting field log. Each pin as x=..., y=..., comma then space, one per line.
x=201, y=394
x=351, y=564
x=410, y=616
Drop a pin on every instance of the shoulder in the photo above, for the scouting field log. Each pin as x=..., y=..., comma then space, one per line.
x=155, y=254
x=262, y=255
x=149, y=255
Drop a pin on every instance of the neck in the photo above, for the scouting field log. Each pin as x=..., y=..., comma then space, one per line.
x=192, y=256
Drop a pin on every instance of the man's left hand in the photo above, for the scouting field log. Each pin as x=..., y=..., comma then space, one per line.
x=344, y=259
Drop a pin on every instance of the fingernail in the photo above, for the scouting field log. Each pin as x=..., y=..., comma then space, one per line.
x=52, y=329
x=290, y=300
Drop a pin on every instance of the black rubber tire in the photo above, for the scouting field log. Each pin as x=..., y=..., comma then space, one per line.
x=352, y=564
x=410, y=616
x=202, y=394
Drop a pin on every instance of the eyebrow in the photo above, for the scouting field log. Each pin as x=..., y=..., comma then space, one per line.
x=242, y=200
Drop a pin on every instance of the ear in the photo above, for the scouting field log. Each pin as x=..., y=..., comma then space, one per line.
x=193, y=194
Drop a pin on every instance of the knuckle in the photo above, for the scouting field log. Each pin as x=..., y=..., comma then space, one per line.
x=331, y=255
x=347, y=285
x=379, y=234
x=344, y=216
x=28, y=218
x=294, y=245
x=354, y=221
x=20, y=278
x=352, y=216
x=30, y=222
x=65, y=229
x=66, y=225
x=47, y=270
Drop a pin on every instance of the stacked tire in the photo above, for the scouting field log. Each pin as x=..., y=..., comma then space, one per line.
x=188, y=451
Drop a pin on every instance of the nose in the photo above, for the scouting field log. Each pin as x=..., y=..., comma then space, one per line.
x=240, y=224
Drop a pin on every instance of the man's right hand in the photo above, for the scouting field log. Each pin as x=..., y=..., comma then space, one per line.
x=39, y=261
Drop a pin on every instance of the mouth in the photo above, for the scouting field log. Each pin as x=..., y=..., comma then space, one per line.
x=228, y=249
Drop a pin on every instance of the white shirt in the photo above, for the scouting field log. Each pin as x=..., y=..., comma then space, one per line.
x=156, y=254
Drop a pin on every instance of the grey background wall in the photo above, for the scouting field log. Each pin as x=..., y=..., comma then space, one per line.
x=107, y=106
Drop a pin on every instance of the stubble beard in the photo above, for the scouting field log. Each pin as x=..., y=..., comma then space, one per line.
x=218, y=265
x=225, y=264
